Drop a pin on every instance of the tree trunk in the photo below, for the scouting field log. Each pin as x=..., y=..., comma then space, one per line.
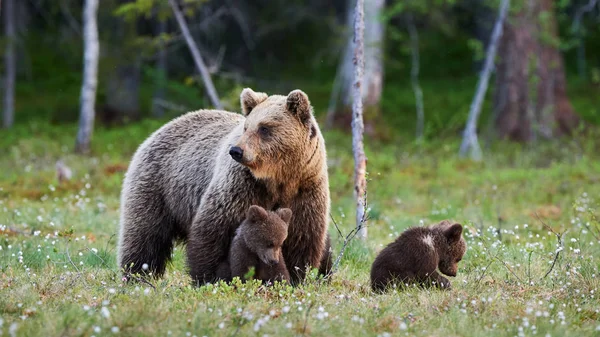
x=373, y=68
x=373, y=76
x=360, y=161
x=90, y=76
x=10, y=62
x=531, y=99
x=210, y=88
x=470, y=141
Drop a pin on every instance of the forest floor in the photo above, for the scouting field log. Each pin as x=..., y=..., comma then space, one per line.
x=58, y=275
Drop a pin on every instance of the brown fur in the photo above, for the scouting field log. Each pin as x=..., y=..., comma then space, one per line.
x=183, y=184
x=416, y=254
x=257, y=244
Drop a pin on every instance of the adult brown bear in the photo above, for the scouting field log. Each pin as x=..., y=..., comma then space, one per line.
x=195, y=177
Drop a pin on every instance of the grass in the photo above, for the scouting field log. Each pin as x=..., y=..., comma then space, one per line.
x=58, y=274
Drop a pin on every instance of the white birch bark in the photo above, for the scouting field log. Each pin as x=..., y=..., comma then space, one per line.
x=470, y=142
x=360, y=162
x=90, y=76
x=210, y=88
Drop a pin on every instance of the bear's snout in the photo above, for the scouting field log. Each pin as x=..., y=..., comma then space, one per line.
x=236, y=153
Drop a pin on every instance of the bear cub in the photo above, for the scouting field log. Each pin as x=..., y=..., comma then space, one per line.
x=416, y=254
x=257, y=243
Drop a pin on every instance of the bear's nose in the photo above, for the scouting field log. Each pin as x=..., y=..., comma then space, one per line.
x=274, y=262
x=236, y=153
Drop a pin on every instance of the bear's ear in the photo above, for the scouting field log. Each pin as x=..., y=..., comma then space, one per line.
x=256, y=213
x=454, y=232
x=251, y=99
x=443, y=225
x=285, y=214
x=297, y=104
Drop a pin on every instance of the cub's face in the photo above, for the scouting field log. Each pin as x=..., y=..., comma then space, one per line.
x=265, y=232
x=455, y=249
x=278, y=132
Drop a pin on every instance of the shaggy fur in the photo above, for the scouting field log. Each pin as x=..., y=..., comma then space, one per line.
x=182, y=184
x=417, y=253
x=257, y=244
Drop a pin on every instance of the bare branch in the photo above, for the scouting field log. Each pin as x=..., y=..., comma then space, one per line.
x=66, y=12
x=71, y=261
x=348, y=238
x=484, y=272
x=560, y=244
x=242, y=23
x=501, y=261
x=163, y=103
x=141, y=279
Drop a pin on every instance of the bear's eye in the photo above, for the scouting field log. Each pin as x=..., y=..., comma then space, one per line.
x=271, y=244
x=264, y=131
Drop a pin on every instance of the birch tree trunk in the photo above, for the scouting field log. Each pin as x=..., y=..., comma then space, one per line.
x=470, y=141
x=360, y=161
x=210, y=88
x=373, y=63
x=10, y=62
x=90, y=76
x=531, y=99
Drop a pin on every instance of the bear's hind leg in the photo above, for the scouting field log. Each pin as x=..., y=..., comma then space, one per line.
x=146, y=240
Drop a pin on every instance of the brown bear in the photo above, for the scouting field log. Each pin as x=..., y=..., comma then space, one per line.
x=416, y=254
x=257, y=243
x=193, y=179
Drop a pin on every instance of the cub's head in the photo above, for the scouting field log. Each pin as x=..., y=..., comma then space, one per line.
x=280, y=134
x=453, y=247
x=264, y=232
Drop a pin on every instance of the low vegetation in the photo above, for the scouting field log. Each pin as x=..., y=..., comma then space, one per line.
x=531, y=226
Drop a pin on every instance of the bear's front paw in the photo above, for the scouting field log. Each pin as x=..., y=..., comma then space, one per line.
x=444, y=283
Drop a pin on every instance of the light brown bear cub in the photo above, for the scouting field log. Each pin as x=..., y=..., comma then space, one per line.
x=257, y=244
x=417, y=253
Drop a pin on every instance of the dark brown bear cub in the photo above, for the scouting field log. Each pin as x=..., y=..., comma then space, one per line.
x=417, y=253
x=257, y=244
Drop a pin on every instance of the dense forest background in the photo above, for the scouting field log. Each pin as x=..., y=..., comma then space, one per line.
x=146, y=69
x=84, y=82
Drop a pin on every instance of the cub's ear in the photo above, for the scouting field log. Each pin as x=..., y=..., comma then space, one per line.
x=285, y=214
x=454, y=232
x=298, y=105
x=443, y=225
x=251, y=99
x=256, y=213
